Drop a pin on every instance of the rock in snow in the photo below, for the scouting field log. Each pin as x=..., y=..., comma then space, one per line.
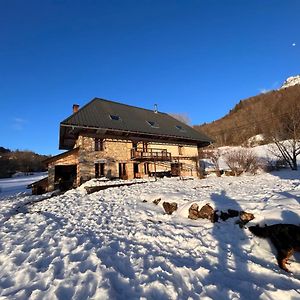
x=170, y=207
x=245, y=218
x=207, y=212
x=156, y=201
x=194, y=211
x=231, y=213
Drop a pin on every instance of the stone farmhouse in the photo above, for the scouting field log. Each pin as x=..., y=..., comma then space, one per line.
x=115, y=140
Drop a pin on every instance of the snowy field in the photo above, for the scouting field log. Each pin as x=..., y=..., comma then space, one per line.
x=112, y=245
x=18, y=185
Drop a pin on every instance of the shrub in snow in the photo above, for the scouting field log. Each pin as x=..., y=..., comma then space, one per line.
x=241, y=161
x=269, y=165
x=214, y=156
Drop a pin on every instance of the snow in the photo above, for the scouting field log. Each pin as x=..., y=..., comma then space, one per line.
x=265, y=153
x=18, y=184
x=290, y=81
x=255, y=140
x=106, y=182
x=112, y=245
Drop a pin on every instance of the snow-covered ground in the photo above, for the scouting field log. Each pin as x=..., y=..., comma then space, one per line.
x=18, y=184
x=112, y=245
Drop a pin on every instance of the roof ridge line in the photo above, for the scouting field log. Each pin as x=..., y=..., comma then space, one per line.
x=113, y=101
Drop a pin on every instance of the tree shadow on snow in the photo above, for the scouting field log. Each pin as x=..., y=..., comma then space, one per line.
x=230, y=274
x=290, y=195
x=287, y=174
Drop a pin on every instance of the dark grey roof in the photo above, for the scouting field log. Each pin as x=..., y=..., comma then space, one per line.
x=101, y=114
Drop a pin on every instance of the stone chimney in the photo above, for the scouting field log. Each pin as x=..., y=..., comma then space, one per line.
x=75, y=108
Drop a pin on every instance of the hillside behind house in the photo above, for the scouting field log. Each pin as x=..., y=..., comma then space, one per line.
x=24, y=161
x=253, y=116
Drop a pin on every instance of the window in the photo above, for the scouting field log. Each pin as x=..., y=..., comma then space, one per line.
x=146, y=168
x=180, y=150
x=122, y=170
x=115, y=117
x=99, y=170
x=99, y=144
x=134, y=145
x=153, y=124
x=180, y=128
x=135, y=168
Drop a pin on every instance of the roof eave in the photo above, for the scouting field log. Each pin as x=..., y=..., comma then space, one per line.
x=63, y=145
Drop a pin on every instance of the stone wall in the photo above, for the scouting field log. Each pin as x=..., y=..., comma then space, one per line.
x=116, y=151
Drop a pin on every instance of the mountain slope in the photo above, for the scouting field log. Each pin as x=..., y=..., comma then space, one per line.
x=251, y=116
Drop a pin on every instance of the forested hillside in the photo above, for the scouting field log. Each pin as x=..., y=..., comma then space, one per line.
x=255, y=115
x=19, y=161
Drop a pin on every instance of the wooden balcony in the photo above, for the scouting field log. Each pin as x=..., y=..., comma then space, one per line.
x=150, y=155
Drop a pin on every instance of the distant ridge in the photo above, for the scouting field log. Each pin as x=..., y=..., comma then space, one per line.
x=24, y=161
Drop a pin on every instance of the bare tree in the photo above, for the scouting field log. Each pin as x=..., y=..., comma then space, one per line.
x=241, y=160
x=182, y=117
x=284, y=132
x=214, y=155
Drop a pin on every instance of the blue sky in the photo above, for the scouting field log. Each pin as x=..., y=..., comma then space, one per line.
x=193, y=57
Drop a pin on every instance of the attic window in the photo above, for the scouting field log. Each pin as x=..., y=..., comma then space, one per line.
x=115, y=117
x=180, y=128
x=153, y=124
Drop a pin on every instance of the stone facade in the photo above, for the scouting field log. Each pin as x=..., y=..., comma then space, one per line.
x=113, y=159
x=113, y=153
